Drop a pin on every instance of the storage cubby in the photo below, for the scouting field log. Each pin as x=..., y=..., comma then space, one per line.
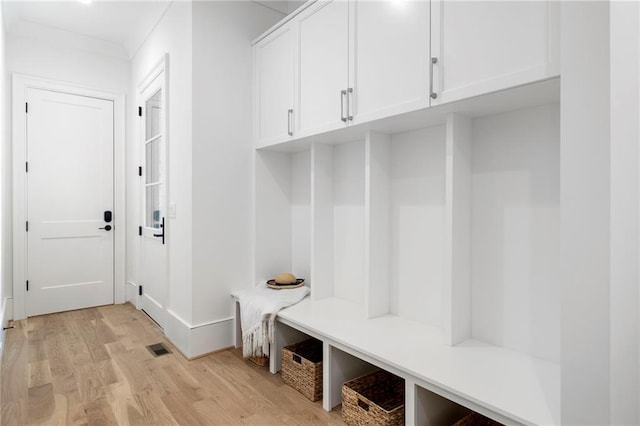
x=340, y=367
x=283, y=214
x=417, y=224
x=515, y=231
x=433, y=409
x=338, y=218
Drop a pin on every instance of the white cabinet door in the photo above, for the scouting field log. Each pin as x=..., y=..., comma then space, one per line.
x=390, y=64
x=323, y=67
x=484, y=46
x=274, y=79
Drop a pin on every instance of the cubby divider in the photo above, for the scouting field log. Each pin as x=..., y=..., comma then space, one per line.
x=377, y=235
x=457, y=288
x=322, y=221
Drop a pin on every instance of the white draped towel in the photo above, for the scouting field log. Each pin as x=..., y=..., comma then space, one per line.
x=258, y=309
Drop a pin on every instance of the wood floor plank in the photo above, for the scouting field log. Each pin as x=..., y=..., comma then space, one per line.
x=58, y=354
x=91, y=367
x=39, y=373
x=181, y=408
x=41, y=402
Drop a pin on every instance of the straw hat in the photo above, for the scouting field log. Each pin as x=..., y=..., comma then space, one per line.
x=285, y=280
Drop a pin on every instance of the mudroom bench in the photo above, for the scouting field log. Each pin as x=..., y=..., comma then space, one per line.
x=508, y=386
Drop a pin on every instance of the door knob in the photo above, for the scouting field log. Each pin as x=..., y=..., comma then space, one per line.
x=106, y=228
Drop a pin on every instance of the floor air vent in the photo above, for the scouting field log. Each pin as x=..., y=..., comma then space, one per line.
x=158, y=349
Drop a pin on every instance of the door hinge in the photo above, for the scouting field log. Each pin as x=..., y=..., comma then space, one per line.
x=140, y=291
x=26, y=166
x=27, y=226
x=139, y=170
x=26, y=107
x=27, y=285
x=139, y=111
x=140, y=230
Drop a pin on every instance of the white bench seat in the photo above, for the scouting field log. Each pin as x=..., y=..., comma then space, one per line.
x=508, y=386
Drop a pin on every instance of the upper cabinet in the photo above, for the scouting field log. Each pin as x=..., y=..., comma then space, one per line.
x=338, y=63
x=274, y=84
x=323, y=31
x=485, y=46
x=389, y=67
x=360, y=61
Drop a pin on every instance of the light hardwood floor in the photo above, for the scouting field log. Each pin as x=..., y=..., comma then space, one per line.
x=92, y=367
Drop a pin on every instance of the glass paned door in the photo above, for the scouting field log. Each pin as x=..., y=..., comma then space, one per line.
x=154, y=176
x=153, y=267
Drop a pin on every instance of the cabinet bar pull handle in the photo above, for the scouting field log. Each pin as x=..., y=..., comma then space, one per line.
x=433, y=94
x=343, y=95
x=289, y=120
x=349, y=100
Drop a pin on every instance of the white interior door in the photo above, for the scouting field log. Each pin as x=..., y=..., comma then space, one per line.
x=69, y=188
x=154, y=278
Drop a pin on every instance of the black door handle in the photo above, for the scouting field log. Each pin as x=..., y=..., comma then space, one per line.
x=106, y=228
x=161, y=235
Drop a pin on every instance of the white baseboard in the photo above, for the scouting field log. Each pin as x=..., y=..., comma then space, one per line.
x=200, y=339
x=7, y=311
x=5, y=316
x=131, y=293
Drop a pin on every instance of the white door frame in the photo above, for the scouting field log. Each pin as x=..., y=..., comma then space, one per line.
x=20, y=85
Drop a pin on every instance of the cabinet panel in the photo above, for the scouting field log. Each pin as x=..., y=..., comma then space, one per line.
x=323, y=66
x=390, y=69
x=274, y=58
x=492, y=45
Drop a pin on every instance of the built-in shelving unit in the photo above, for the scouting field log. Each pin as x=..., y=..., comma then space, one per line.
x=430, y=252
x=427, y=232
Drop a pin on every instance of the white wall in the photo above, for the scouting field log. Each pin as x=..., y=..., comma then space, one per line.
x=516, y=230
x=585, y=215
x=53, y=59
x=5, y=178
x=172, y=35
x=625, y=214
x=222, y=155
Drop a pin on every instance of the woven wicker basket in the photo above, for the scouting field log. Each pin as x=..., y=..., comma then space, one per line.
x=302, y=368
x=374, y=399
x=476, y=419
x=259, y=360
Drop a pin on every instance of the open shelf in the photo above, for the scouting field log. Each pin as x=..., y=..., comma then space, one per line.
x=417, y=224
x=338, y=221
x=515, y=231
x=283, y=215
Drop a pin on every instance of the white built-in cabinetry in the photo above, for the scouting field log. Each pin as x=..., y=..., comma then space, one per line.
x=484, y=46
x=323, y=31
x=274, y=83
x=339, y=63
x=441, y=219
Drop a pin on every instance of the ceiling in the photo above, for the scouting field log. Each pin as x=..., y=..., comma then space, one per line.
x=124, y=23
x=118, y=25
